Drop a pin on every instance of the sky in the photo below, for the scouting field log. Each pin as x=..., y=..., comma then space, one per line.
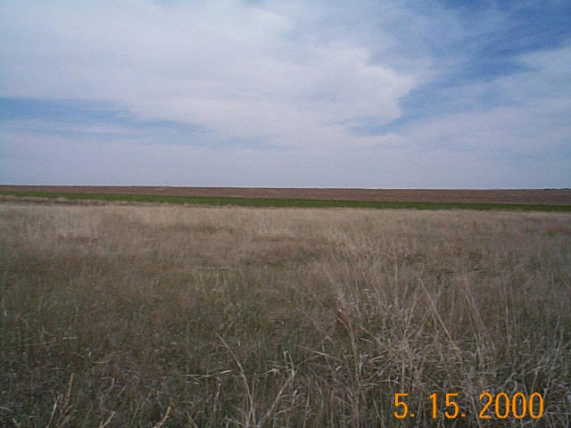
x=296, y=93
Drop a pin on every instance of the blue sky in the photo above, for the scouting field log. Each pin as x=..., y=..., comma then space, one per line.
x=370, y=93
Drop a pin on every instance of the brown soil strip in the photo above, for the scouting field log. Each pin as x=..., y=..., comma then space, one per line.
x=526, y=196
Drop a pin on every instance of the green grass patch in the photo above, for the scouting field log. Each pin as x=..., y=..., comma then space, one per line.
x=288, y=203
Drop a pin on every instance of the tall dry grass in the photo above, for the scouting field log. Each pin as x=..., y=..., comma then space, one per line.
x=125, y=316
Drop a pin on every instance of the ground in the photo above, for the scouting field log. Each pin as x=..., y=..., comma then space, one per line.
x=232, y=316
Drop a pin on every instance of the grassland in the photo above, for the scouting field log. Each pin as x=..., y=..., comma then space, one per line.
x=128, y=316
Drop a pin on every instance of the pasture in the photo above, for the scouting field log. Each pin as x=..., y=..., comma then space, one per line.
x=127, y=316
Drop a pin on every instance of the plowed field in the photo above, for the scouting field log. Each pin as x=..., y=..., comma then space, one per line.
x=531, y=196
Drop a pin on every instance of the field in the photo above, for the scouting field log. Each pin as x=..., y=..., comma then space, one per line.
x=168, y=315
x=557, y=200
x=525, y=196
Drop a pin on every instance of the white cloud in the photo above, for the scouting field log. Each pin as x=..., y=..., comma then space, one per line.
x=239, y=69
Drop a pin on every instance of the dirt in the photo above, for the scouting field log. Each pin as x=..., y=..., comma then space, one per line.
x=507, y=196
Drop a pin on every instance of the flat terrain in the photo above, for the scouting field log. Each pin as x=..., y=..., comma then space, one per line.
x=548, y=196
x=171, y=315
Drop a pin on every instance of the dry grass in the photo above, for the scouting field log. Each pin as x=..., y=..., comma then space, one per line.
x=125, y=316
